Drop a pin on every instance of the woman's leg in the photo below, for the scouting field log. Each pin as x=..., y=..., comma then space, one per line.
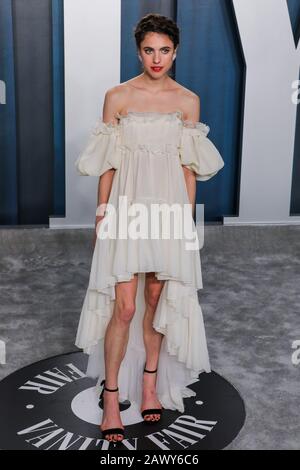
x=152, y=341
x=115, y=343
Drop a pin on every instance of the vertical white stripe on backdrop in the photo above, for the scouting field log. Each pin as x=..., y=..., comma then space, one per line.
x=269, y=113
x=92, y=32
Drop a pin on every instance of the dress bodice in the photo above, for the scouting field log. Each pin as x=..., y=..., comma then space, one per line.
x=150, y=130
x=156, y=133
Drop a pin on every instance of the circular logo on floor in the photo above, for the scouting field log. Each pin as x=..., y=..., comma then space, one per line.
x=52, y=405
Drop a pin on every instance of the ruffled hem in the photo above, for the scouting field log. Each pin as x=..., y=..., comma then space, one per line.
x=183, y=355
x=116, y=259
x=172, y=380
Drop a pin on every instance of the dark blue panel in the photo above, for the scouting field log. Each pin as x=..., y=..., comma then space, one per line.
x=34, y=99
x=295, y=192
x=210, y=62
x=294, y=10
x=8, y=163
x=58, y=106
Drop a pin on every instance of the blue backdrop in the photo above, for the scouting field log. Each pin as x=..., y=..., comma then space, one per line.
x=32, y=140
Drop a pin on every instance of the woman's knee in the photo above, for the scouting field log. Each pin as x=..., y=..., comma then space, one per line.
x=152, y=298
x=125, y=311
x=152, y=292
x=125, y=300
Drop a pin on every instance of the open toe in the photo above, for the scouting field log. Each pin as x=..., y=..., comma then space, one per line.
x=110, y=434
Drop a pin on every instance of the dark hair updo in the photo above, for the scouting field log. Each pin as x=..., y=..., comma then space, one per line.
x=155, y=23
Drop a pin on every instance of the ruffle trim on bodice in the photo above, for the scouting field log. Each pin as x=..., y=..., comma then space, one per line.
x=148, y=116
x=105, y=147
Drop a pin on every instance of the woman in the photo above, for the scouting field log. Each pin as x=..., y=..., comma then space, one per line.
x=142, y=294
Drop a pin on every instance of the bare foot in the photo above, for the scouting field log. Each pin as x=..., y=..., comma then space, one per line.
x=150, y=399
x=111, y=416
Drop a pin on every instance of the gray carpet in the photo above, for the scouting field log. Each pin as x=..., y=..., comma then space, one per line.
x=250, y=302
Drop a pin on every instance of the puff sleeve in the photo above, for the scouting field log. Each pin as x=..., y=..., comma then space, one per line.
x=101, y=152
x=198, y=153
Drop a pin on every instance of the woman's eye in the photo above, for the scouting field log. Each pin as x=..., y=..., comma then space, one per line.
x=164, y=51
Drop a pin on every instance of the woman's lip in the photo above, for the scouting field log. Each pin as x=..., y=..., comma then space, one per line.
x=156, y=69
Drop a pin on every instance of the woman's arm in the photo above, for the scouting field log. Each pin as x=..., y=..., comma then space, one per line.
x=192, y=115
x=104, y=188
x=190, y=181
x=105, y=181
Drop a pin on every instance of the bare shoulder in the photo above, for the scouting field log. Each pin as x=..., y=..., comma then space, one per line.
x=114, y=101
x=190, y=104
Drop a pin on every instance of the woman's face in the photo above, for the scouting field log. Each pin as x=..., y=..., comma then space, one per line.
x=157, y=51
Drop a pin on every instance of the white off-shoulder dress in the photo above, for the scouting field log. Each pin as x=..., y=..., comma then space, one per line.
x=147, y=150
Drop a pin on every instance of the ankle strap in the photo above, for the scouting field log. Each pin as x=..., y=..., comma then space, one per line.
x=150, y=371
x=109, y=389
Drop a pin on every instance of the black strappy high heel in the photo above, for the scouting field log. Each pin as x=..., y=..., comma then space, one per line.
x=110, y=430
x=151, y=411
